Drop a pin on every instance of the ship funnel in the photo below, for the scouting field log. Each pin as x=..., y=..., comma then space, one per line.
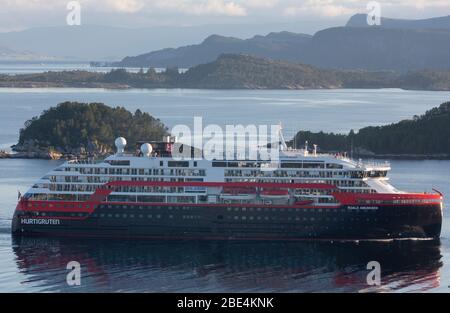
x=120, y=143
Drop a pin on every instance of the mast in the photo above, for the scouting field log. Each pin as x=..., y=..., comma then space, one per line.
x=283, y=142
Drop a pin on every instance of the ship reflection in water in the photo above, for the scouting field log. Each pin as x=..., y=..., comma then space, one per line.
x=130, y=266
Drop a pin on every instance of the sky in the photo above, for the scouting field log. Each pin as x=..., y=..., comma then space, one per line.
x=23, y=14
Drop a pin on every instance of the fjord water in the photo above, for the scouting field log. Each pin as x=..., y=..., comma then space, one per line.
x=39, y=264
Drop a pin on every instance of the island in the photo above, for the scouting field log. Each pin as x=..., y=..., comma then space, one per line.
x=82, y=130
x=422, y=137
x=236, y=71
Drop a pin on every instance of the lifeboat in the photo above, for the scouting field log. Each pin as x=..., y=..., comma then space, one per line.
x=274, y=194
x=304, y=202
x=238, y=193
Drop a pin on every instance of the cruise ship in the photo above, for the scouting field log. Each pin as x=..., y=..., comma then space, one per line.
x=150, y=194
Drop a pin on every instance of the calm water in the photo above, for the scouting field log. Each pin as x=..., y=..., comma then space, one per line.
x=327, y=110
x=29, y=265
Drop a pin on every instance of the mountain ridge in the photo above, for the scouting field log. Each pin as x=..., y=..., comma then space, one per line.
x=441, y=22
x=345, y=47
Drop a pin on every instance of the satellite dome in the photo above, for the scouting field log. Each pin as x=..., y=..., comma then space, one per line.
x=120, y=143
x=146, y=149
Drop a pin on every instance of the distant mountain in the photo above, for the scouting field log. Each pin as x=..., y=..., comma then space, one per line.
x=366, y=48
x=377, y=48
x=360, y=20
x=283, y=45
x=11, y=55
x=108, y=43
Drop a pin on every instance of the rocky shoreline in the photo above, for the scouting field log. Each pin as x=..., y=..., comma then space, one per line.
x=31, y=149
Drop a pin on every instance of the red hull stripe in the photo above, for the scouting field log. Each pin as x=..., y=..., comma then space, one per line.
x=359, y=199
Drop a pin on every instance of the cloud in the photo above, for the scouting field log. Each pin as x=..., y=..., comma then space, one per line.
x=127, y=6
x=261, y=3
x=325, y=8
x=204, y=7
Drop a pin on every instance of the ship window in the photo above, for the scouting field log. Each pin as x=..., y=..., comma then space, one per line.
x=178, y=163
x=219, y=164
x=333, y=165
x=291, y=165
x=119, y=162
x=161, y=163
x=195, y=163
x=313, y=165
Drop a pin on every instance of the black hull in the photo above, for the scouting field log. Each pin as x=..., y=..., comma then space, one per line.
x=237, y=223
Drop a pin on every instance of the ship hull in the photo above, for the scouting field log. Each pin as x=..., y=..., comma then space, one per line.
x=238, y=222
